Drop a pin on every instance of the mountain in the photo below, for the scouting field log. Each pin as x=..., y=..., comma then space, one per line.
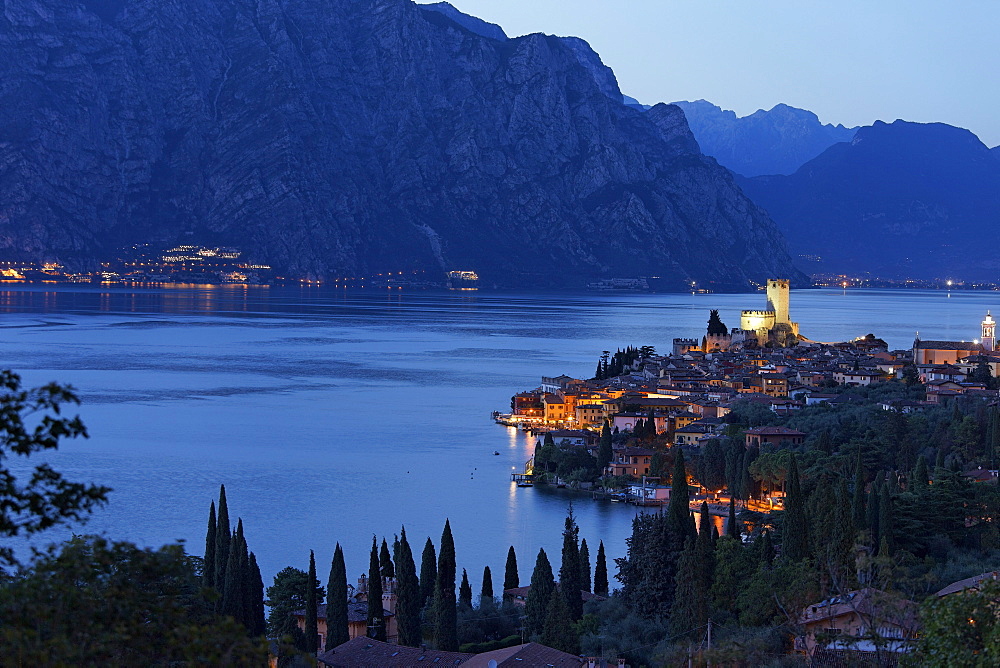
x=901, y=199
x=470, y=23
x=776, y=141
x=350, y=138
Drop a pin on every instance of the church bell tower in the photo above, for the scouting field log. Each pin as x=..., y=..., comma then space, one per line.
x=989, y=333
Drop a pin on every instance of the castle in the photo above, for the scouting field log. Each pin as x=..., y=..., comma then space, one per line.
x=772, y=325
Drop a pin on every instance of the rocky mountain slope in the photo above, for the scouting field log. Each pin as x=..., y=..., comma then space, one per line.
x=347, y=138
x=901, y=199
x=776, y=141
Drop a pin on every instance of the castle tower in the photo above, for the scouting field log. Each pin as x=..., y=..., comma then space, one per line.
x=777, y=299
x=989, y=333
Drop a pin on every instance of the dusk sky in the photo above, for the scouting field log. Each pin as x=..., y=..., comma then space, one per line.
x=850, y=62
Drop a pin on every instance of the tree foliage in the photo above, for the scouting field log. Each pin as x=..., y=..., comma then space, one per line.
x=32, y=421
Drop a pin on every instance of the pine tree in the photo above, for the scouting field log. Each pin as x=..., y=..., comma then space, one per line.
x=733, y=527
x=258, y=625
x=376, y=611
x=585, y=566
x=336, y=602
x=208, y=570
x=486, y=593
x=543, y=585
x=312, y=605
x=223, y=537
x=569, y=571
x=795, y=529
x=605, y=453
x=408, y=603
x=445, y=609
x=558, y=631
x=428, y=573
x=601, y=572
x=511, y=579
x=465, y=591
x=385, y=562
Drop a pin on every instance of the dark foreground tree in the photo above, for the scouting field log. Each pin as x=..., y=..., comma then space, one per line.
x=537, y=602
x=511, y=580
x=558, y=631
x=408, y=603
x=601, y=572
x=486, y=594
x=376, y=611
x=585, y=566
x=208, y=570
x=284, y=597
x=386, y=566
x=428, y=573
x=90, y=602
x=569, y=570
x=336, y=601
x=31, y=421
x=312, y=605
x=465, y=591
x=445, y=608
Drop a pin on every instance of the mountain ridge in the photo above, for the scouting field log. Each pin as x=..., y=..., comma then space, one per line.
x=909, y=197
x=351, y=139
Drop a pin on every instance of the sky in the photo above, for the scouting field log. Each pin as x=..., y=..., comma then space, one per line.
x=849, y=62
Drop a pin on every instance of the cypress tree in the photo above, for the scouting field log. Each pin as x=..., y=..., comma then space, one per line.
x=795, y=529
x=385, y=562
x=511, y=580
x=690, y=607
x=208, y=571
x=311, y=630
x=376, y=613
x=248, y=605
x=605, y=453
x=232, y=590
x=872, y=512
x=885, y=517
x=408, y=603
x=486, y=594
x=465, y=591
x=558, y=631
x=445, y=610
x=585, y=566
x=733, y=528
x=428, y=573
x=223, y=537
x=543, y=585
x=920, y=474
x=569, y=571
x=601, y=572
x=858, y=504
x=766, y=550
x=258, y=625
x=678, y=509
x=336, y=602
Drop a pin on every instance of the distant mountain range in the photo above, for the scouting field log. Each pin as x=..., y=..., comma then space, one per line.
x=900, y=199
x=776, y=141
x=349, y=138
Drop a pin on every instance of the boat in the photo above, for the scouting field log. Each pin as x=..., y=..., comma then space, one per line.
x=463, y=280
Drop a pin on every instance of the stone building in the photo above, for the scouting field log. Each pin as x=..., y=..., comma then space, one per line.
x=772, y=325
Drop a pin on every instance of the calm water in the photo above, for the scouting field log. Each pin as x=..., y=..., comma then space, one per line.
x=332, y=416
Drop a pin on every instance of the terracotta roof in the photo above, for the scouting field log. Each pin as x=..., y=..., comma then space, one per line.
x=967, y=583
x=530, y=654
x=947, y=345
x=363, y=652
x=774, y=431
x=522, y=592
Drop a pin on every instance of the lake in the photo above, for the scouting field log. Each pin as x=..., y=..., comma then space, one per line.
x=339, y=415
